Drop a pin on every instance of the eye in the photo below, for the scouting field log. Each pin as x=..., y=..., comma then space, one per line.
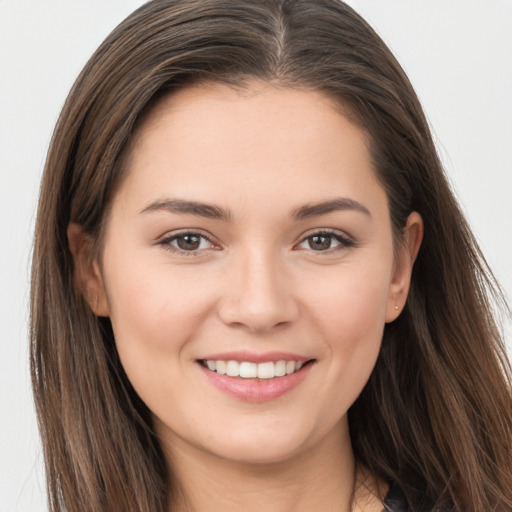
x=188, y=243
x=324, y=241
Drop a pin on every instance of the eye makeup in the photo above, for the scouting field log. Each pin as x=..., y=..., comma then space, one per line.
x=193, y=242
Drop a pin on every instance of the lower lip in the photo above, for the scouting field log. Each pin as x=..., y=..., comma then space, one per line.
x=253, y=390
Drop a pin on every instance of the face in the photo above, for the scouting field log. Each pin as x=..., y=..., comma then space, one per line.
x=248, y=269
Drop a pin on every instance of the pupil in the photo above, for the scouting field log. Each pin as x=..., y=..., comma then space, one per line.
x=319, y=242
x=188, y=242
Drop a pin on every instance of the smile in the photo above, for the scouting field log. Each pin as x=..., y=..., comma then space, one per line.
x=255, y=378
x=250, y=370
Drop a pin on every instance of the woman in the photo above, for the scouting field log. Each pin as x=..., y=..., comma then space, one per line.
x=252, y=286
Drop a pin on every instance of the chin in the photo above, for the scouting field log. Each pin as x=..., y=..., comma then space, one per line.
x=275, y=443
x=249, y=452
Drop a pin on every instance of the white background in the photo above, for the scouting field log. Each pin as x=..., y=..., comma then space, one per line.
x=458, y=54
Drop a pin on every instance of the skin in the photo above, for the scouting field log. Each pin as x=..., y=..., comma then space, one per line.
x=257, y=282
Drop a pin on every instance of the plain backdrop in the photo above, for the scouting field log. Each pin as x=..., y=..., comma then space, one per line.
x=457, y=53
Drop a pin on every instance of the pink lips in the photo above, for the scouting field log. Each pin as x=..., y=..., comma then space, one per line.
x=256, y=390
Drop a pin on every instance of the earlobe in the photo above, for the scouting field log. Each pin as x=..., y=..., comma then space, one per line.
x=408, y=250
x=88, y=278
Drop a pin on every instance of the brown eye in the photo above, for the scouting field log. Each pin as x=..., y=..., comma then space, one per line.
x=188, y=242
x=325, y=241
x=320, y=242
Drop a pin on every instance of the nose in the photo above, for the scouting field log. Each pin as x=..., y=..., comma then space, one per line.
x=258, y=294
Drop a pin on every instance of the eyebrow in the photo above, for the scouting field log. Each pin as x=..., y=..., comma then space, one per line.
x=325, y=207
x=211, y=211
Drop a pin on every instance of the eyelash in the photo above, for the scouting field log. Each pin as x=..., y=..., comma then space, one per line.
x=344, y=241
x=166, y=243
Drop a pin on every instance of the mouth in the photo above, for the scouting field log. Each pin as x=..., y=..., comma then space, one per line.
x=249, y=370
x=258, y=380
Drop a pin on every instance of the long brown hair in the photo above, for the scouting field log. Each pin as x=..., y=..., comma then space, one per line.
x=436, y=414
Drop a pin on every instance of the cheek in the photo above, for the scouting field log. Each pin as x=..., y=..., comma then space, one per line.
x=349, y=312
x=353, y=303
x=155, y=313
x=154, y=308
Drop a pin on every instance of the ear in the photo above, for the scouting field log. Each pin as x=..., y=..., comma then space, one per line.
x=87, y=273
x=406, y=255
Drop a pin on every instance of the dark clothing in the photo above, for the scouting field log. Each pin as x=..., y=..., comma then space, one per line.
x=395, y=501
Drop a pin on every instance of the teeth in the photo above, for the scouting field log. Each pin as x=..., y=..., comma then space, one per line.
x=220, y=367
x=232, y=369
x=290, y=367
x=280, y=368
x=247, y=370
x=266, y=370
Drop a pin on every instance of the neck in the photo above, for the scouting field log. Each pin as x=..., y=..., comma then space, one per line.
x=320, y=478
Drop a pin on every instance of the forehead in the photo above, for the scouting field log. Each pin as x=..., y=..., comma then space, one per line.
x=247, y=104
x=214, y=140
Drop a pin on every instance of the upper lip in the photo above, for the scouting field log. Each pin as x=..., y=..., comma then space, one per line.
x=253, y=357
